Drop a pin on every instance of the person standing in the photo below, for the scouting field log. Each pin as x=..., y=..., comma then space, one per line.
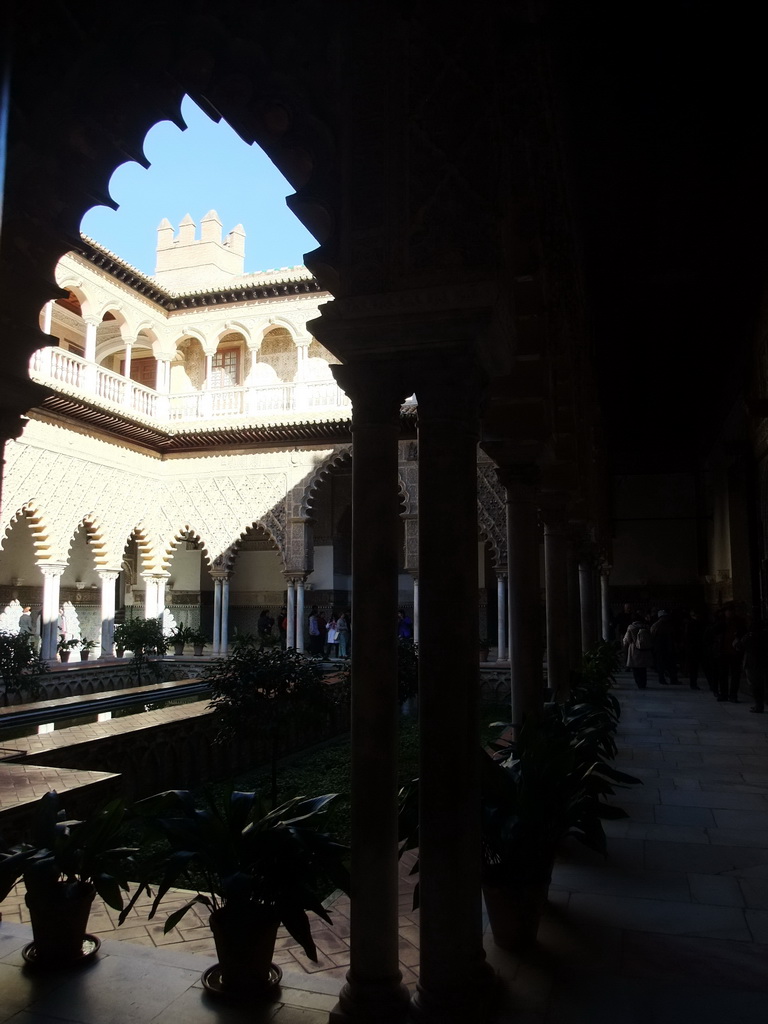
x=663, y=636
x=331, y=636
x=404, y=625
x=282, y=627
x=316, y=632
x=622, y=622
x=639, y=646
x=728, y=631
x=342, y=628
x=697, y=648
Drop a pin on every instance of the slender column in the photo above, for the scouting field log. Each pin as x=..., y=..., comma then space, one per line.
x=217, y=614
x=587, y=596
x=224, y=639
x=91, y=326
x=501, y=614
x=556, y=574
x=150, y=595
x=107, y=578
x=605, y=601
x=52, y=573
x=160, y=582
x=452, y=960
x=525, y=660
x=300, y=615
x=415, y=608
x=47, y=317
x=574, y=604
x=89, y=354
x=127, y=360
x=374, y=990
x=290, y=611
x=128, y=392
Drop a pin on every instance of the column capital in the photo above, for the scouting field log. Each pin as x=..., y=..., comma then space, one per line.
x=107, y=574
x=518, y=476
x=156, y=577
x=220, y=574
x=52, y=570
x=91, y=321
x=293, y=576
x=377, y=388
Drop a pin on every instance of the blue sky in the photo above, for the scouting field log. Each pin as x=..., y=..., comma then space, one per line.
x=207, y=167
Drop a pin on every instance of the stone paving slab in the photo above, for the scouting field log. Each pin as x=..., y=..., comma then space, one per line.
x=673, y=926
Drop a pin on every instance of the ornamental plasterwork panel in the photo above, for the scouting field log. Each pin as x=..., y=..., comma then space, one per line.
x=492, y=510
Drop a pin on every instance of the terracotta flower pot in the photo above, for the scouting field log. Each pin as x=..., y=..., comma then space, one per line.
x=59, y=919
x=85, y=655
x=64, y=655
x=178, y=650
x=514, y=912
x=245, y=944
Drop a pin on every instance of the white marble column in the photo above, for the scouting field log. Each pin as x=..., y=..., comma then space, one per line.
x=161, y=582
x=107, y=577
x=224, y=636
x=415, y=608
x=374, y=989
x=605, y=601
x=290, y=612
x=150, y=595
x=501, y=615
x=89, y=354
x=300, y=615
x=556, y=579
x=525, y=646
x=52, y=573
x=128, y=387
x=588, y=603
x=217, y=581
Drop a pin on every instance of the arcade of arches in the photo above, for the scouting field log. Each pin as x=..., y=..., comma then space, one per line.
x=534, y=316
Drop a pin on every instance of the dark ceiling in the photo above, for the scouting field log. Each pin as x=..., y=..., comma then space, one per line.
x=667, y=138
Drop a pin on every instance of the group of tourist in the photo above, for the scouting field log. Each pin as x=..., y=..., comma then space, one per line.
x=331, y=637
x=719, y=648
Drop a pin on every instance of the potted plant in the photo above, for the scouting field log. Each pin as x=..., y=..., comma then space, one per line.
x=86, y=646
x=551, y=786
x=64, y=867
x=20, y=665
x=179, y=636
x=199, y=640
x=64, y=647
x=143, y=637
x=252, y=868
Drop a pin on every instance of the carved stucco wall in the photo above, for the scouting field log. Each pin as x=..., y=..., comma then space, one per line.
x=65, y=479
x=68, y=478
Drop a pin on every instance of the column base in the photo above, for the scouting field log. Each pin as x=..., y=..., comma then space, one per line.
x=383, y=1002
x=474, y=1001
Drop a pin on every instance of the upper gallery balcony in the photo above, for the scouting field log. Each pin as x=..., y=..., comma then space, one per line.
x=278, y=401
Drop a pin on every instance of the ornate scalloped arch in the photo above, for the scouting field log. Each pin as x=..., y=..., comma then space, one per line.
x=185, y=532
x=41, y=534
x=270, y=526
x=97, y=535
x=321, y=473
x=150, y=562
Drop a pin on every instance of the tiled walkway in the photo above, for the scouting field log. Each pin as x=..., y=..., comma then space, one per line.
x=672, y=927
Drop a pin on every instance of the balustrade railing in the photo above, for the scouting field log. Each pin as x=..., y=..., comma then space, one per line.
x=56, y=366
